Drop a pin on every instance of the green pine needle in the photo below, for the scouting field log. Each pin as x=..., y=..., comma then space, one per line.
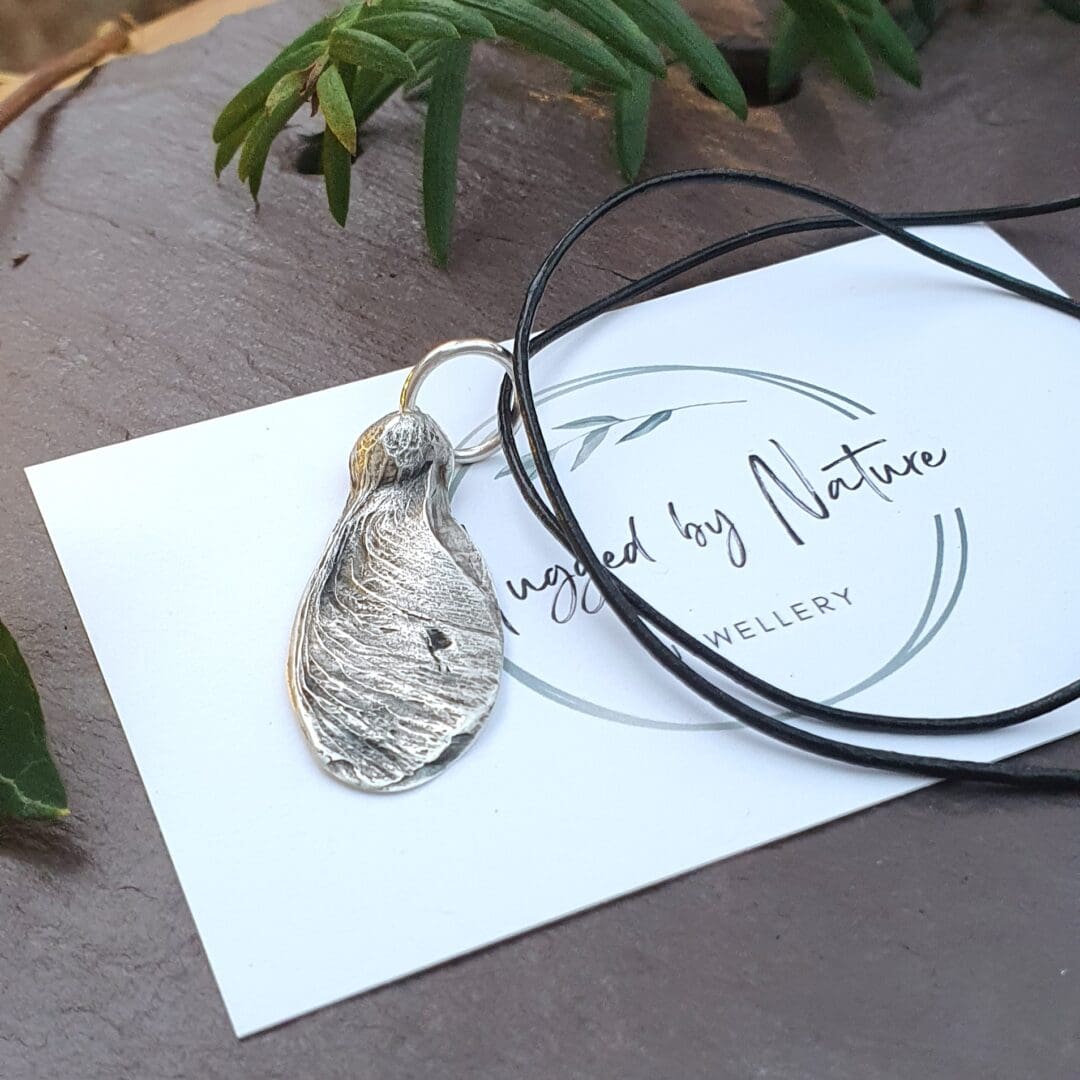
x=632, y=123
x=441, y=133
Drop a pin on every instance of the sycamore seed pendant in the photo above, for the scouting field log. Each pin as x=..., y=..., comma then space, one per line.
x=396, y=650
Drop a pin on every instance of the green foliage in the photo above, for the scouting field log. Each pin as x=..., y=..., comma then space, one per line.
x=368, y=51
x=548, y=34
x=925, y=11
x=350, y=63
x=1069, y=9
x=336, y=107
x=632, y=122
x=618, y=31
x=441, y=144
x=890, y=41
x=30, y=786
x=667, y=23
x=792, y=50
x=831, y=33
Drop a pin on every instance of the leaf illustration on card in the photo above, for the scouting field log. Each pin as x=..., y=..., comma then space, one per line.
x=588, y=445
x=529, y=463
x=590, y=421
x=596, y=429
x=650, y=424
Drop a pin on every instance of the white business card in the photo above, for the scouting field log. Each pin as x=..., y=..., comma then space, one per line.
x=846, y=473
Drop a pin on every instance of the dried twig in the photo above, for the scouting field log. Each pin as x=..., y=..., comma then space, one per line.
x=114, y=39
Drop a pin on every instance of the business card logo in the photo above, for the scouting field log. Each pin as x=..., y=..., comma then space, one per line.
x=795, y=494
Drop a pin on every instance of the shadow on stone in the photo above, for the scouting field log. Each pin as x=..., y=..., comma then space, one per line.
x=44, y=844
x=38, y=150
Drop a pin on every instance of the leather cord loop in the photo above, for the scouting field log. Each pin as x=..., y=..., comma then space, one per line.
x=644, y=622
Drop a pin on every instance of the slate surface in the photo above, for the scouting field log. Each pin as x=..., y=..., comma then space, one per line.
x=937, y=936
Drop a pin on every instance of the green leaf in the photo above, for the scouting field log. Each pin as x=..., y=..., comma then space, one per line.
x=589, y=445
x=791, y=52
x=30, y=786
x=616, y=30
x=297, y=57
x=632, y=122
x=836, y=40
x=257, y=144
x=666, y=22
x=550, y=35
x=350, y=13
x=417, y=91
x=926, y=10
x=289, y=86
x=370, y=91
x=470, y=23
x=337, y=176
x=232, y=142
x=336, y=107
x=860, y=7
x=424, y=71
x=409, y=26
x=442, y=131
x=891, y=42
x=371, y=52
x=421, y=53
x=650, y=424
x=1069, y=9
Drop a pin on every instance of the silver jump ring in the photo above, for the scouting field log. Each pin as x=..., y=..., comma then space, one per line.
x=451, y=350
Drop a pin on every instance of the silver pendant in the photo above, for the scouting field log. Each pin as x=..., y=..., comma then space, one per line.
x=396, y=650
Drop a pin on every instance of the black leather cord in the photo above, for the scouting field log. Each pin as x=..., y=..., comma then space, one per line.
x=641, y=619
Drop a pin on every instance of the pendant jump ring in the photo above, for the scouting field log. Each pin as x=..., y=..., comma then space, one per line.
x=451, y=350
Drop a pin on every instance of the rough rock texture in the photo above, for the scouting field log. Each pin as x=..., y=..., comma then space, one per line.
x=936, y=936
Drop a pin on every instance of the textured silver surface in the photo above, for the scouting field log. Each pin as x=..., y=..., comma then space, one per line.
x=397, y=646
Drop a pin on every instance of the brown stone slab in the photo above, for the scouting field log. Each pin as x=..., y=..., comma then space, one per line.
x=938, y=936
